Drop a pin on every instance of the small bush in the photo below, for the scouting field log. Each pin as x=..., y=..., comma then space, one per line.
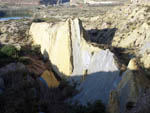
x=9, y=51
x=24, y=60
x=38, y=20
x=35, y=49
x=30, y=50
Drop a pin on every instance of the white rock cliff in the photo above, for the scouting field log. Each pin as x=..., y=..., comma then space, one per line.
x=71, y=55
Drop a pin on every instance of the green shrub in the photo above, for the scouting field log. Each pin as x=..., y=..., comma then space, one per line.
x=35, y=49
x=24, y=60
x=38, y=20
x=30, y=50
x=9, y=51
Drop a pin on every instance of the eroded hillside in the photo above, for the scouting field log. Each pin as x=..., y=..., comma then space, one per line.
x=62, y=60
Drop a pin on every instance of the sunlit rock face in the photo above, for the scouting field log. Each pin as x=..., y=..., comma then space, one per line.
x=55, y=44
x=96, y=67
x=102, y=77
x=72, y=55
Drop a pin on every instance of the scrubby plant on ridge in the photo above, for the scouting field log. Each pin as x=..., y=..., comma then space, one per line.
x=9, y=51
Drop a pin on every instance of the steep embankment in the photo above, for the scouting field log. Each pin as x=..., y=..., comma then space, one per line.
x=67, y=46
x=71, y=55
x=103, y=57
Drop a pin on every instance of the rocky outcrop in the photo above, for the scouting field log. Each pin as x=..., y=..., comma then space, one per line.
x=95, y=70
x=71, y=55
x=132, y=86
x=55, y=43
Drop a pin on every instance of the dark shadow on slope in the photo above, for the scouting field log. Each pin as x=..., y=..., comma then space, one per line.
x=51, y=100
x=103, y=39
x=98, y=85
x=104, y=36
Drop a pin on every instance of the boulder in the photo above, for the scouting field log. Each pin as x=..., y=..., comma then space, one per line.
x=133, y=65
x=67, y=47
x=133, y=84
x=49, y=79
